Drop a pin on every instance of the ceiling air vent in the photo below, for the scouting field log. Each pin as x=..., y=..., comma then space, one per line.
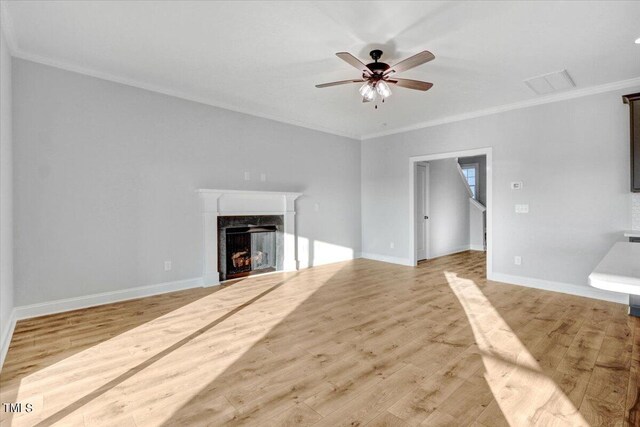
x=552, y=82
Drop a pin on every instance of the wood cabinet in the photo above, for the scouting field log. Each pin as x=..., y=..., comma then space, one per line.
x=634, y=108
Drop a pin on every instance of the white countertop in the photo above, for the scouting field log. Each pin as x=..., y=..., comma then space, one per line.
x=619, y=270
x=632, y=233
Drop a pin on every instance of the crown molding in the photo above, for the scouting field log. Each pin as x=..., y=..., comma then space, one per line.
x=578, y=93
x=6, y=27
x=165, y=90
x=548, y=99
x=16, y=52
x=8, y=31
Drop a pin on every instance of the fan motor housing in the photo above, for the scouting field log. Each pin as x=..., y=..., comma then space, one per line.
x=378, y=67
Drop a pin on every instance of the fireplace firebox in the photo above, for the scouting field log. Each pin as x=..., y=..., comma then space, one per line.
x=249, y=245
x=250, y=249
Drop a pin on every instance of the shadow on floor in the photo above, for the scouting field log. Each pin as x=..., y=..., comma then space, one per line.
x=348, y=343
x=158, y=356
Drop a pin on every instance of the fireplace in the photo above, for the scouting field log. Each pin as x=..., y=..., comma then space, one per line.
x=249, y=245
x=222, y=209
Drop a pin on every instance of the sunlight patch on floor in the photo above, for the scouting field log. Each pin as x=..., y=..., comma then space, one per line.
x=171, y=361
x=525, y=395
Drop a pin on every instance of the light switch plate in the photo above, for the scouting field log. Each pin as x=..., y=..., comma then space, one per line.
x=247, y=176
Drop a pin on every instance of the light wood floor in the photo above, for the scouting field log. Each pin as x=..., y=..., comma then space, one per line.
x=355, y=343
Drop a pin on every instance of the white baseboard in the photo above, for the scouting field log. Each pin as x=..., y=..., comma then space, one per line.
x=68, y=304
x=386, y=258
x=565, y=288
x=6, y=337
x=476, y=248
x=450, y=252
x=59, y=306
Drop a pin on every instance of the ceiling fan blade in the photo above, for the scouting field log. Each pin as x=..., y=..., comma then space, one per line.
x=354, y=62
x=411, y=62
x=341, y=82
x=411, y=84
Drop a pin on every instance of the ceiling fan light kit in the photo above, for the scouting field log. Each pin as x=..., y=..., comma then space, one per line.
x=383, y=89
x=376, y=75
x=368, y=92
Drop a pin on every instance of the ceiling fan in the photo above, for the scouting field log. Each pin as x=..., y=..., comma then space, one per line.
x=377, y=75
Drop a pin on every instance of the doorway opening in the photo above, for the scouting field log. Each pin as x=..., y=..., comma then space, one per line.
x=451, y=200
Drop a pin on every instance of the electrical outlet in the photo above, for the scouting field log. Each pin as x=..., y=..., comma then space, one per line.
x=517, y=260
x=247, y=176
x=316, y=207
x=392, y=245
x=167, y=266
x=516, y=185
x=263, y=177
x=522, y=209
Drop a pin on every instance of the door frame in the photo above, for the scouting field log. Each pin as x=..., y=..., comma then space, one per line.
x=425, y=165
x=413, y=160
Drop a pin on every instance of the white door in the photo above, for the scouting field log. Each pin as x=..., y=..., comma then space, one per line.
x=422, y=210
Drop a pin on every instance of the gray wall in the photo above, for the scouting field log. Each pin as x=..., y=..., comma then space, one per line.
x=448, y=209
x=573, y=157
x=106, y=174
x=635, y=212
x=6, y=191
x=481, y=182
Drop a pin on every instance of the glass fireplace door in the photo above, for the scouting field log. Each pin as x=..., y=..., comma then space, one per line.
x=263, y=250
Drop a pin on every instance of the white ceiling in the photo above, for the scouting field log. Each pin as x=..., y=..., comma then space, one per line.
x=264, y=58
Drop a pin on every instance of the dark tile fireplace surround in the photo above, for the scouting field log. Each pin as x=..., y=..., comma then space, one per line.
x=249, y=245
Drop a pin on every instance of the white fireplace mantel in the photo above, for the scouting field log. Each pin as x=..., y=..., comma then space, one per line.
x=217, y=203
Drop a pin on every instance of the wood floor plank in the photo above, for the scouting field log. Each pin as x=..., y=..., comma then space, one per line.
x=353, y=343
x=416, y=406
x=386, y=419
x=300, y=415
x=632, y=405
x=375, y=399
x=598, y=413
